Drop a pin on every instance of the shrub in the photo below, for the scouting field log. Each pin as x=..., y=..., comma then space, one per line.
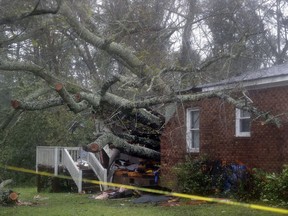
x=275, y=188
x=193, y=177
x=210, y=177
x=251, y=186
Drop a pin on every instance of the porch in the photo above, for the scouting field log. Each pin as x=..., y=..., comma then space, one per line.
x=72, y=159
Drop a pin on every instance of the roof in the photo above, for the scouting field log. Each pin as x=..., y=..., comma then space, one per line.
x=262, y=78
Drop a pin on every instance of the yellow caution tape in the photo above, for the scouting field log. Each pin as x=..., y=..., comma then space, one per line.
x=181, y=195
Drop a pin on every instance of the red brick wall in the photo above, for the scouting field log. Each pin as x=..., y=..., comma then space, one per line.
x=266, y=148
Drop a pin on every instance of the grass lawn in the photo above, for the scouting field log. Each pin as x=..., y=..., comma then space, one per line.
x=62, y=204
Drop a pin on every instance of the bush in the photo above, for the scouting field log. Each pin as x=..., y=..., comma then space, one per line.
x=275, y=188
x=211, y=177
x=194, y=176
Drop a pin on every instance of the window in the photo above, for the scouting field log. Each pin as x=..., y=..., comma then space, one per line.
x=243, y=123
x=192, y=123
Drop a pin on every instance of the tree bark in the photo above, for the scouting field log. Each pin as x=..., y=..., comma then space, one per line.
x=153, y=143
x=123, y=146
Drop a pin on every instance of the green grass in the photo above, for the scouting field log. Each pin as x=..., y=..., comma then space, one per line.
x=62, y=204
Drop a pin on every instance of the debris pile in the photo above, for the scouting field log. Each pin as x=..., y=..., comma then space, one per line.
x=137, y=197
x=144, y=173
x=115, y=194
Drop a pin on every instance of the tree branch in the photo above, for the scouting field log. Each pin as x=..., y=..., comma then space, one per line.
x=119, y=52
x=17, y=104
x=68, y=98
x=108, y=84
x=39, y=72
x=15, y=113
x=141, y=140
x=21, y=37
x=10, y=116
x=248, y=107
x=51, y=80
x=145, y=117
x=34, y=12
x=123, y=146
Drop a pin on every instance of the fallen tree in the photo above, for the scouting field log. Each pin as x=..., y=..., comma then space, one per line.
x=123, y=146
x=132, y=122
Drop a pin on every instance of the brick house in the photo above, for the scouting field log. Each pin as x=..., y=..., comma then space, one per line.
x=221, y=131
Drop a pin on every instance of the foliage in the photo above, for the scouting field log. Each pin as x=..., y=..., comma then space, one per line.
x=275, y=187
x=207, y=177
x=193, y=177
x=251, y=188
x=48, y=128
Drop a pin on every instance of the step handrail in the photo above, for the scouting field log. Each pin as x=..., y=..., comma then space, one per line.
x=74, y=171
x=98, y=169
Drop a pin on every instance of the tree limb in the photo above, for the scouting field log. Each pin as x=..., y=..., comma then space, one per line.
x=15, y=113
x=252, y=109
x=123, y=146
x=68, y=98
x=34, y=12
x=21, y=37
x=10, y=116
x=51, y=80
x=124, y=104
x=39, y=72
x=17, y=104
x=141, y=140
x=119, y=52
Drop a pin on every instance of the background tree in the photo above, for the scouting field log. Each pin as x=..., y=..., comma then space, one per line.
x=274, y=16
x=237, y=30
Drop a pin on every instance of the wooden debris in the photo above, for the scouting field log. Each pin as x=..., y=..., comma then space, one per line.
x=7, y=196
x=13, y=196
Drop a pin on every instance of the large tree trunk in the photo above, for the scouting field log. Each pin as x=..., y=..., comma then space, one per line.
x=122, y=145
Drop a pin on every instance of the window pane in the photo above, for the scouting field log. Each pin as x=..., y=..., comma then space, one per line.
x=194, y=119
x=192, y=136
x=245, y=125
x=195, y=139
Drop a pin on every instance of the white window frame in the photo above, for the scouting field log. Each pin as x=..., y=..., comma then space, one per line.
x=237, y=126
x=189, y=147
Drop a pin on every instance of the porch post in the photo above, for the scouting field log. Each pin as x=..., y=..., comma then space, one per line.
x=105, y=186
x=80, y=182
x=37, y=160
x=56, y=160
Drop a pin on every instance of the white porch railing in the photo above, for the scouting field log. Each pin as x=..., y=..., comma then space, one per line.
x=98, y=169
x=49, y=156
x=74, y=152
x=56, y=156
x=74, y=171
